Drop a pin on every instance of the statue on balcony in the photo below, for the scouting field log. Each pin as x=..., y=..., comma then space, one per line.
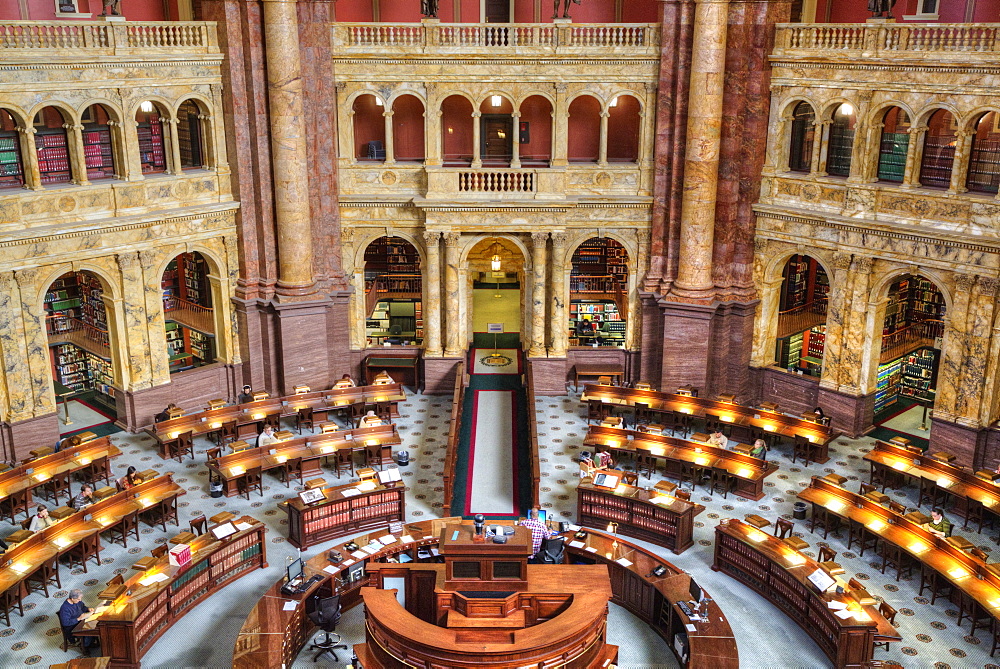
x=115, y=6
x=429, y=8
x=880, y=7
x=555, y=8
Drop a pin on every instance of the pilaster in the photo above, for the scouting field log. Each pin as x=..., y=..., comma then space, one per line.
x=37, y=343
x=432, y=277
x=538, y=249
x=453, y=343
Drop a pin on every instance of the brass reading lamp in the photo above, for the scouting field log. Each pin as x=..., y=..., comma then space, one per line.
x=613, y=528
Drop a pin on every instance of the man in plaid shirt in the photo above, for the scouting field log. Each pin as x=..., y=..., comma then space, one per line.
x=538, y=530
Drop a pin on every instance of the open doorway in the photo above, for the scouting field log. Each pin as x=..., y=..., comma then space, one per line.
x=496, y=11
x=496, y=271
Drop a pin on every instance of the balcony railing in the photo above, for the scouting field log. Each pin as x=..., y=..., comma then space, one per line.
x=94, y=38
x=966, y=41
x=487, y=38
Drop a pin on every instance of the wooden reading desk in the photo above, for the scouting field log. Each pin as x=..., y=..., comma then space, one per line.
x=768, y=422
x=158, y=597
x=254, y=413
x=311, y=449
x=22, y=560
x=32, y=474
x=614, y=372
x=340, y=515
x=779, y=573
x=749, y=472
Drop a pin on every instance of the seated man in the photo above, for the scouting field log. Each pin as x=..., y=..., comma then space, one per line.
x=245, y=396
x=266, y=438
x=345, y=382
x=41, y=519
x=718, y=439
x=538, y=529
x=85, y=498
x=72, y=611
x=370, y=420
x=939, y=525
x=165, y=414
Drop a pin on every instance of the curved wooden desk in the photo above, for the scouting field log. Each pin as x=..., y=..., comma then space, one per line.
x=272, y=636
x=32, y=474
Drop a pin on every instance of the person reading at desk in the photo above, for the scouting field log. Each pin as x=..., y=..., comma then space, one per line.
x=245, y=396
x=130, y=480
x=759, y=449
x=718, y=439
x=345, y=382
x=370, y=420
x=72, y=611
x=383, y=379
x=820, y=416
x=69, y=442
x=41, y=519
x=165, y=414
x=85, y=498
x=538, y=529
x=604, y=460
x=266, y=438
x=939, y=525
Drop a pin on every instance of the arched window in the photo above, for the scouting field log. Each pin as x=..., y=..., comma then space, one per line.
x=98, y=150
x=893, y=145
x=800, y=145
x=623, y=130
x=190, y=137
x=369, y=128
x=11, y=165
x=535, y=128
x=408, y=128
x=838, y=158
x=584, y=130
x=598, y=308
x=52, y=143
x=939, y=150
x=189, y=321
x=456, y=131
x=984, y=158
x=152, y=143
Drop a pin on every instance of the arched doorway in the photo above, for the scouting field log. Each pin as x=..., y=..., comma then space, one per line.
x=393, y=293
x=906, y=378
x=76, y=323
x=496, y=275
x=598, y=294
x=802, y=308
x=152, y=138
x=189, y=320
x=98, y=143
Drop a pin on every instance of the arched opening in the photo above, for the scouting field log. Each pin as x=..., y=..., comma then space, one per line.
x=456, y=131
x=152, y=141
x=583, y=141
x=188, y=318
x=939, y=150
x=496, y=270
x=52, y=144
x=11, y=163
x=535, y=128
x=984, y=157
x=623, y=130
x=598, y=294
x=841, y=144
x=893, y=145
x=369, y=128
x=98, y=147
x=190, y=135
x=910, y=351
x=496, y=131
x=408, y=129
x=800, y=145
x=801, y=337
x=393, y=293
x=76, y=322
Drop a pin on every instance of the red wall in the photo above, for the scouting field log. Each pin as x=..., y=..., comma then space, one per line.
x=456, y=113
x=949, y=11
x=584, y=132
x=45, y=10
x=408, y=128
x=537, y=112
x=353, y=11
x=408, y=11
x=369, y=124
x=623, y=130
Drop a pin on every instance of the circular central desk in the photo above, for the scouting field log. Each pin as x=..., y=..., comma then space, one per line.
x=642, y=582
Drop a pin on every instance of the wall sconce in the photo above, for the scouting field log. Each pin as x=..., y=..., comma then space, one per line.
x=495, y=100
x=146, y=106
x=451, y=131
x=846, y=109
x=502, y=134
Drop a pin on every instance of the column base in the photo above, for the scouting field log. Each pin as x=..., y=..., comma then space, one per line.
x=850, y=414
x=548, y=375
x=191, y=389
x=439, y=374
x=16, y=439
x=792, y=393
x=967, y=444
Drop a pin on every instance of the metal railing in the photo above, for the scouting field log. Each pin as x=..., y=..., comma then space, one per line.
x=63, y=325
x=98, y=38
x=454, y=434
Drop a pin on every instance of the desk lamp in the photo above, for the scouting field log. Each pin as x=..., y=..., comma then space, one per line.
x=613, y=528
x=301, y=390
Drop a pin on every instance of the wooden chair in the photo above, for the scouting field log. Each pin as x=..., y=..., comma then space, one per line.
x=683, y=494
x=827, y=559
x=679, y=422
x=227, y=433
x=896, y=507
x=16, y=503
x=722, y=477
x=969, y=608
x=183, y=445
x=935, y=582
x=55, y=487
x=250, y=481
x=129, y=524
x=823, y=517
x=929, y=493
x=645, y=464
x=47, y=573
x=159, y=551
x=783, y=530
x=10, y=598
x=343, y=461
x=978, y=553
x=274, y=420
x=291, y=468
x=373, y=455
x=213, y=453
x=630, y=478
x=889, y=614
x=70, y=641
x=865, y=488
x=197, y=524
x=803, y=448
x=80, y=553
x=383, y=410
x=97, y=470
x=897, y=557
x=304, y=418
x=643, y=415
x=693, y=473
x=714, y=424
x=975, y=512
x=357, y=413
x=597, y=410
x=163, y=511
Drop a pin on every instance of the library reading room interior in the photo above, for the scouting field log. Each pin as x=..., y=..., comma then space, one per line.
x=500, y=334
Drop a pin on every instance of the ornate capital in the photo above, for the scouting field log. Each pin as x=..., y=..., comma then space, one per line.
x=988, y=285
x=759, y=245
x=340, y=86
x=451, y=239
x=148, y=258
x=26, y=277
x=431, y=238
x=865, y=95
x=964, y=282
x=560, y=87
x=863, y=264
x=558, y=239
x=7, y=282
x=539, y=238
x=842, y=260
x=127, y=261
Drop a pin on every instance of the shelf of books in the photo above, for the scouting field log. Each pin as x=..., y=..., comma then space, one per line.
x=918, y=375
x=892, y=156
x=152, y=151
x=393, y=255
x=11, y=167
x=937, y=161
x=596, y=323
x=97, y=152
x=796, y=284
x=886, y=385
x=75, y=311
x=790, y=351
x=186, y=277
x=53, y=155
x=984, y=165
x=344, y=510
x=186, y=347
x=599, y=257
x=81, y=370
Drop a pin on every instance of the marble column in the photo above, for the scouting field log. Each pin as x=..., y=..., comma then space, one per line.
x=152, y=294
x=432, y=279
x=558, y=332
x=988, y=408
x=766, y=332
x=453, y=324
x=821, y=142
x=77, y=161
x=836, y=312
x=134, y=326
x=858, y=344
x=858, y=153
x=873, y=140
x=560, y=123
x=218, y=128
x=779, y=156
x=515, y=142
x=390, y=151
x=914, y=156
x=119, y=149
x=173, y=139
x=29, y=159
x=477, y=156
x=960, y=164
x=954, y=349
x=538, y=243
x=701, y=162
x=432, y=136
x=979, y=325
x=16, y=402
x=288, y=149
x=36, y=339
x=231, y=324
x=602, y=152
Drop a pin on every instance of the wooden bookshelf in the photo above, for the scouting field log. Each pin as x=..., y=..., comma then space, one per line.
x=152, y=149
x=892, y=156
x=668, y=523
x=340, y=516
x=97, y=151
x=11, y=167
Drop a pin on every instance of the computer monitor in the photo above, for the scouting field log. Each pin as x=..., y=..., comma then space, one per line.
x=695, y=591
x=295, y=570
x=542, y=514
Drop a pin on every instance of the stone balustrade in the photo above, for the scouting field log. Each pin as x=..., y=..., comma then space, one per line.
x=52, y=39
x=965, y=41
x=526, y=39
x=464, y=183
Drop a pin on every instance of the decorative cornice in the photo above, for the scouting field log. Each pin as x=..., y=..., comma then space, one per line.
x=880, y=66
x=213, y=59
x=536, y=62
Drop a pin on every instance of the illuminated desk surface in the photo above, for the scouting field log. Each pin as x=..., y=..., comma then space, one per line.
x=39, y=470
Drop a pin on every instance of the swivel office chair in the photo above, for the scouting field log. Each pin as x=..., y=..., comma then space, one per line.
x=551, y=551
x=325, y=616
